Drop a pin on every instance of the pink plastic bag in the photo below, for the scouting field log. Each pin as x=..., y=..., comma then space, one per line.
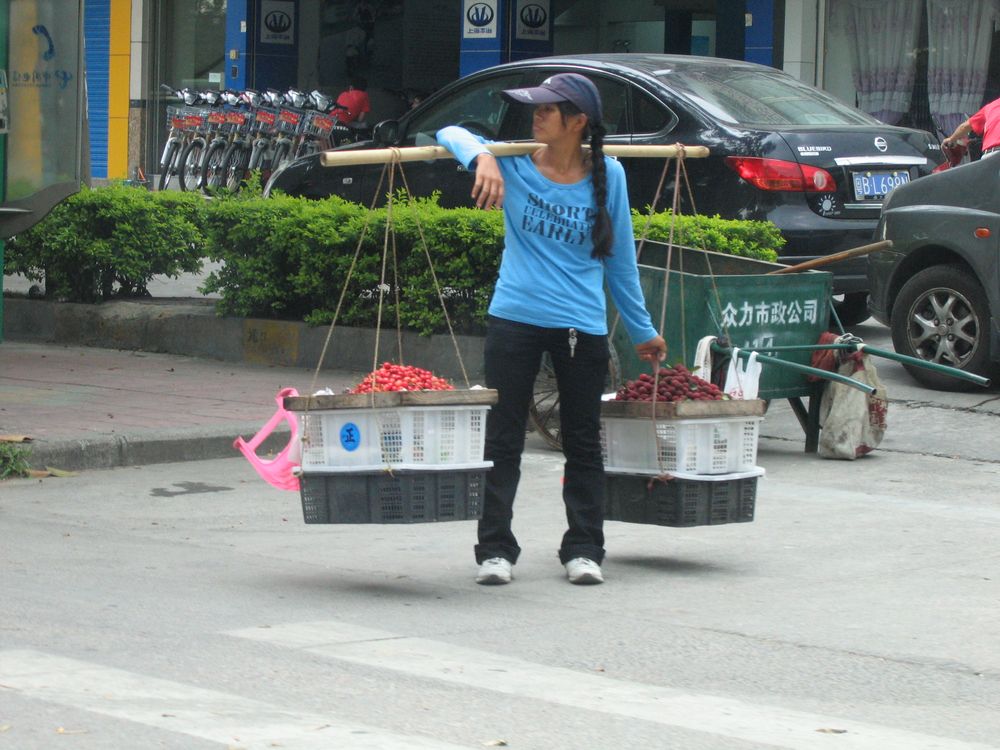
x=278, y=471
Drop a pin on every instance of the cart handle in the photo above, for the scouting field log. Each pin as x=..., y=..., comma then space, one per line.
x=836, y=257
x=885, y=354
x=768, y=359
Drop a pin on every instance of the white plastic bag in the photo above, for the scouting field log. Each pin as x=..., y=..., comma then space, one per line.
x=703, y=358
x=743, y=377
x=853, y=422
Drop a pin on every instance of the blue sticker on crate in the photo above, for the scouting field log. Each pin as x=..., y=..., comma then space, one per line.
x=350, y=436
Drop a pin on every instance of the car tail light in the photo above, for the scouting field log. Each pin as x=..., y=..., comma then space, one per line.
x=775, y=174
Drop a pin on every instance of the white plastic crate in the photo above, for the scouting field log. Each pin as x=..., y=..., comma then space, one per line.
x=451, y=437
x=682, y=447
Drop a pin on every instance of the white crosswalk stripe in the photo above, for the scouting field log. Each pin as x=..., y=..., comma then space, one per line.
x=770, y=725
x=235, y=721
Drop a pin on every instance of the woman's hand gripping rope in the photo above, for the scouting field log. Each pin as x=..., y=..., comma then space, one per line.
x=487, y=191
x=653, y=351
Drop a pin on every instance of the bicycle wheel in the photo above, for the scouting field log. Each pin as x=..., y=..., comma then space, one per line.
x=167, y=165
x=234, y=168
x=189, y=177
x=212, y=173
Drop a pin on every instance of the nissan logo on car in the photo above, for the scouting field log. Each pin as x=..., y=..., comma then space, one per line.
x=534, y=16
x=881, y=144
x=277, y=22
x=480, y=14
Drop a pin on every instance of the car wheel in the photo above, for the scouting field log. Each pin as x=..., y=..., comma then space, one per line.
x=941, y=315
x=851, y=310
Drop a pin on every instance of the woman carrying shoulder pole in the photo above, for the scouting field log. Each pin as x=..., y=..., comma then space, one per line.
x=568, y=230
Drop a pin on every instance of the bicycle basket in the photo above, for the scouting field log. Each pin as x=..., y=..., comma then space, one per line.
x=265, y=118
x=289, y=120
x=318, y=125
x=197, y=121
x=217, y=117
x=175, y=116
x=239, y=121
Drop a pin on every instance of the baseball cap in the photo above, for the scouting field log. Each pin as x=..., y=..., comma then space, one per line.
x=562, y=87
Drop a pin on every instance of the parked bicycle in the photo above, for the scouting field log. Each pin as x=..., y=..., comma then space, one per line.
x=192, y=158
x=180, y=121
x=225, y=123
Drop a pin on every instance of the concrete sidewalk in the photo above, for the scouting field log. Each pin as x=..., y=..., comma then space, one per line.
x=91, y=408
x=166, y=379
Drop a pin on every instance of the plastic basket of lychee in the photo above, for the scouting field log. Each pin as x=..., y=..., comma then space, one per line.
x=674, y=422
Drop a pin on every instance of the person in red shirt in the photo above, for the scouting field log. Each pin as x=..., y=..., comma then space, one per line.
x=355, y=101
x=986, y=123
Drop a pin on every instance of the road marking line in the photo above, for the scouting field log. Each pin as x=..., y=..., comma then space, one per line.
x=484, y=670
x=235, y=721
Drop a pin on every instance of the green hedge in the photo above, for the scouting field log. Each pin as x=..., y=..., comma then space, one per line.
x=289, y=258
x=110, y=242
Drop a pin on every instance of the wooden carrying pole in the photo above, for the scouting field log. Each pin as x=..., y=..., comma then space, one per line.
x=428, y=153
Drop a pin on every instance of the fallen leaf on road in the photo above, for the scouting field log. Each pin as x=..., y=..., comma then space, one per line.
x=15, y=438
x=4, y=727
x=832, y=731
x=48, y=471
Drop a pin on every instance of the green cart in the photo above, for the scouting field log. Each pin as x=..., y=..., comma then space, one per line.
x=733, y=298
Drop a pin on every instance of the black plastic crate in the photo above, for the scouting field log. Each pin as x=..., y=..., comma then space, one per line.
x=680, y=502
x=399, y=497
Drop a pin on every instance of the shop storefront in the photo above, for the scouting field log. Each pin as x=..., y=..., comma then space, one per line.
x=403, y=48
x=924, y=63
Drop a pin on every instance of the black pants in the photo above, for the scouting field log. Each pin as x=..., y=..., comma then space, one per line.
x=513, y=357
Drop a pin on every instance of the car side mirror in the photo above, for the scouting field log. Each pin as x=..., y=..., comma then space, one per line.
x=386, y=133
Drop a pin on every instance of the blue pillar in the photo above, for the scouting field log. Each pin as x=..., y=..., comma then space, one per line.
x=236, y=44
x=730, y=29
x=484, y=29
x=274, y=43
x=532, y=26
x=759, y=36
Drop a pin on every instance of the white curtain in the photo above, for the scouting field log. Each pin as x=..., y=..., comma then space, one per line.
x=882, y=36
x=959, y=33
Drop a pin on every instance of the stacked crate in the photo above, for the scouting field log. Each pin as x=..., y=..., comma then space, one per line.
x=399, y=457
x=686, y=463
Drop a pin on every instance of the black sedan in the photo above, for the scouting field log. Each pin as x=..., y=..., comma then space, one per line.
x=938, y=288
x=781, y=150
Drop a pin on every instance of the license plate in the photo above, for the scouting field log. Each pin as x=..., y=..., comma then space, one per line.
x=869, y=186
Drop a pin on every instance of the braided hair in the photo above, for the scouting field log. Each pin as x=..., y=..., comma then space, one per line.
x=602, y=232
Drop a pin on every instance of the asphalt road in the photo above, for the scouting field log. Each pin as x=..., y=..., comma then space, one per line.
x=188, y=606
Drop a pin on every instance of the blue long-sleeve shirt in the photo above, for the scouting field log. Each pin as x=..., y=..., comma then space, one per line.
x=547, y=275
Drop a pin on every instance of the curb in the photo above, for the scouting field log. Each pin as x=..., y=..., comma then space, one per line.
x=190, y=327
x=111, y=452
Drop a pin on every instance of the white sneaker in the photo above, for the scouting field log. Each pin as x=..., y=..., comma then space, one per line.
x=582, y=570
x=494, y=572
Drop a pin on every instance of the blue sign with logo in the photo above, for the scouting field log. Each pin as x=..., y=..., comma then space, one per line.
x=480, y=20
x=350, y=437
x=533, y=20
x=277, y=22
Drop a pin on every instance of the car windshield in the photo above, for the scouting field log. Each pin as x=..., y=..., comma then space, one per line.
x=762, y=99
